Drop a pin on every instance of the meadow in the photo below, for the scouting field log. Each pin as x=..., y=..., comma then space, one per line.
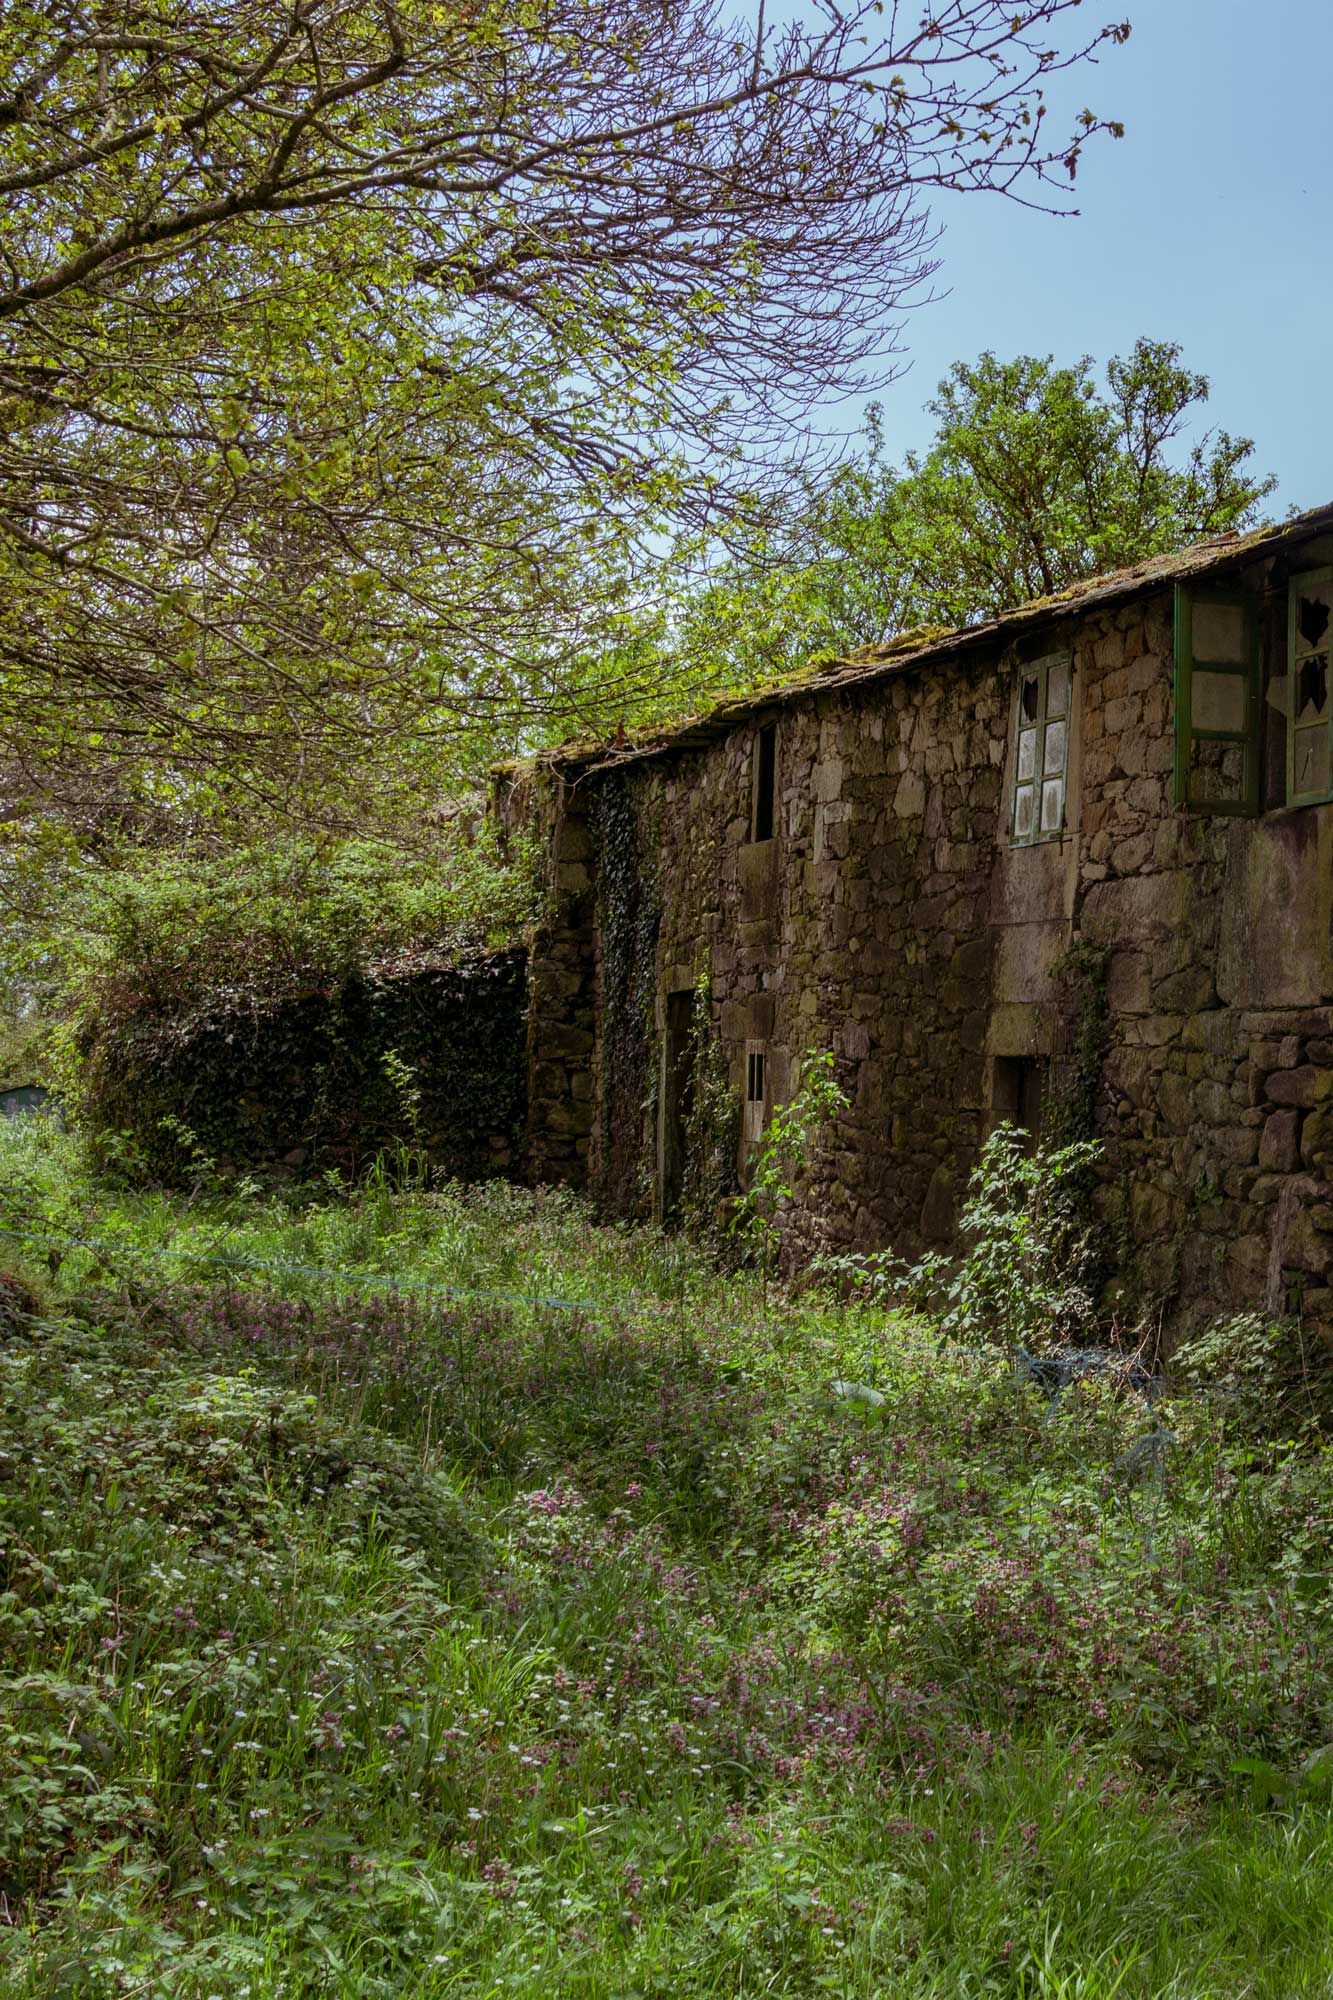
x=546, y=1610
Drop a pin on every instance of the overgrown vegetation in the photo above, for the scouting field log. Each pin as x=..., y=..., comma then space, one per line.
x=303, y=1002
x=365, y=370
x=1022, y=1273
x=782, y=1157
x=179, y=932
x=1037, y=477
x=629, y=913
x=579, y=1636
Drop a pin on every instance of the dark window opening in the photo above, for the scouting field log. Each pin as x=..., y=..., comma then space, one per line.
x=1016, y=1096
x=756, y=1091
x=1313, y=621
x=754, y=1082
x=1031, y=699
x=765, y=782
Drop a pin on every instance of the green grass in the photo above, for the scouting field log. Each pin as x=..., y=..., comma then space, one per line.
x=361, y=1643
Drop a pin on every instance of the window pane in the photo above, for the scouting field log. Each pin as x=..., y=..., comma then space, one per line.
x=1052, y=802
x=1024, y=799
x=1217, y=701
x=1027, y=754
x=1055, y=749
x=1310, y=764
x=1218, y=631
x=1057, y=689
x=1031, y=698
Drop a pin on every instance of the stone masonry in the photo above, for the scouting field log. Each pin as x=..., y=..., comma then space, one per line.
x=893, y=917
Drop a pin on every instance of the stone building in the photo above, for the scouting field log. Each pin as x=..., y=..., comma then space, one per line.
x=1070, y=868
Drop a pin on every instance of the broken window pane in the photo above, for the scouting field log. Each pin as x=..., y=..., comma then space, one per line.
x=1311, y=622
x=1218, y=702
x=1312, y=687
x=1045, y=695
x=1309, y=706
x=1219, y=631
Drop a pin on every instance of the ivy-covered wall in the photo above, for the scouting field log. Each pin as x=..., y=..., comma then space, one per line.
x=628, y=916
x=433, y=1058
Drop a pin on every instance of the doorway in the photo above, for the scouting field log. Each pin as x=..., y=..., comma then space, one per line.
x=677, y=1099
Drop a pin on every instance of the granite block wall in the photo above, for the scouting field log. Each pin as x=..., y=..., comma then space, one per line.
x=891, y=919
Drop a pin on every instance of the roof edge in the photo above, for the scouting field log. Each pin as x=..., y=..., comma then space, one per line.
x=921, y=645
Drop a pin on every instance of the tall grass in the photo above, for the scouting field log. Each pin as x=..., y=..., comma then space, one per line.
x=368, y=1641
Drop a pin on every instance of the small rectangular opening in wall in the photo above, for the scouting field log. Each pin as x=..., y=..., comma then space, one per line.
x=1017, y=1090
x=756, y=1089
x=764, y=817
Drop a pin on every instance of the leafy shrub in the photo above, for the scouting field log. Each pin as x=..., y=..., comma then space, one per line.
x=793, y=1131
x=1268, y=1376
x=1019, y=1277
x=300, y=1000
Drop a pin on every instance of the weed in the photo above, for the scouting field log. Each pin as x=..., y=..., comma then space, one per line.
x=367, y=1638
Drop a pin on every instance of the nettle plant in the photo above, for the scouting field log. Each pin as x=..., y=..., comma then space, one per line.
x=789, y=1139
x=1026, y=1250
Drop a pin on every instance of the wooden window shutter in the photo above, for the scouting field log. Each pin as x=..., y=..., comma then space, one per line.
x=1217, y=699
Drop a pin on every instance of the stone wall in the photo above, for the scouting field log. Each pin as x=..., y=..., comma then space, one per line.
x=861, y=926
x=433, y=1058
x=1219, y=984
x=891, y=920
x=562, y=965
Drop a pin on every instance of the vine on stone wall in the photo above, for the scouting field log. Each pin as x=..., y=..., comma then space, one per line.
x=629, y=915
x=1081, y=973
x=434, y=1058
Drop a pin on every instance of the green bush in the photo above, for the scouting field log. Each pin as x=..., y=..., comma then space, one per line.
x=319, y=1002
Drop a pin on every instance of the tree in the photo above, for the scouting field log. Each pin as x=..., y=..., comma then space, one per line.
x=1036, y=479
x=358, y=358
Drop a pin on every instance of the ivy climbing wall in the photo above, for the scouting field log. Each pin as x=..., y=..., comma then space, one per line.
x=435, y=1059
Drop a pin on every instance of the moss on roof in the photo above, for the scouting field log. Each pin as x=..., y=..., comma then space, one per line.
x=921, y=644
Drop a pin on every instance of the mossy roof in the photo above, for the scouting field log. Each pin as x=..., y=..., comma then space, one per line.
x=926, y=645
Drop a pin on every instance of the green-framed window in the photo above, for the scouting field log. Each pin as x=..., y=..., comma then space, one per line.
x=1309, y=710
x=1042, y=714
x=1217, y=699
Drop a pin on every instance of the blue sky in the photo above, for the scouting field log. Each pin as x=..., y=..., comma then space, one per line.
x=1209, y=223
